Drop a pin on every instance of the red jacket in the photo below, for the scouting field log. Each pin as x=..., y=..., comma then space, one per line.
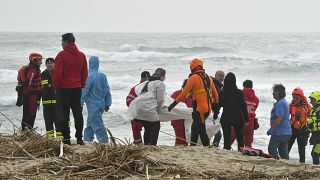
x=131, y=96
x=252, y=102
x=188, y=101
x=71, y=69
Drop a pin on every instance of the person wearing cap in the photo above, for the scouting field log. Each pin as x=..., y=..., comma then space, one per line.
x=30, y=78
x=97, y=97
x=147, y=106
x=69, y=77
x=205, y=98
x=136, y=124
x=48, y=96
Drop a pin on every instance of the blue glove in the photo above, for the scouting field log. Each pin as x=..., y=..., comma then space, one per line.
x=269, y=132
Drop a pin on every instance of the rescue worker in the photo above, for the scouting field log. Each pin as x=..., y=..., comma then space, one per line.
x=178, y=125
x=97, y=97
x=314, y=126
x=136, y=124
x=218, y=83
x=205, y=99
x=49, y=101
x=148, y=104
x=30, y=78
x=252, y=102
x=69, y=77
x=299, y=111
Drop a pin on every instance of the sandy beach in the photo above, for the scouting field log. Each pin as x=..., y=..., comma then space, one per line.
x=32, y=156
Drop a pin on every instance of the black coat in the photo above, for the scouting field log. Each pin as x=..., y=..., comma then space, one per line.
x=234, y=107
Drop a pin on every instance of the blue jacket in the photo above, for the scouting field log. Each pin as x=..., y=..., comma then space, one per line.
x=97, y=90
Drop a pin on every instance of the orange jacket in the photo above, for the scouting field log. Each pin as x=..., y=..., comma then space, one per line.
x=196, y=88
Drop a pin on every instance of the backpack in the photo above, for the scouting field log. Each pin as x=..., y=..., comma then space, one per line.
x=22, y=77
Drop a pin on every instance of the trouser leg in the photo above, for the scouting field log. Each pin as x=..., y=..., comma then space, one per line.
x=155, y=128
x=302, y=140
x=77, y=112
x=136, y=131
x=226, y=136
x=238, y=128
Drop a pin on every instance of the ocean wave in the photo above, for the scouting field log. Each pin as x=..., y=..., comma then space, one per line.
x=8, y=100
x=8, y=76
x=174, y=50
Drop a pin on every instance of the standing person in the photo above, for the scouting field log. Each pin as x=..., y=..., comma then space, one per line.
x=97, y=97
x=252, y=102
x=299, y=111
x=280, y=129
x=49, y=101
x=314, y=126
x=146, y=107
x=205, y=98
x=178, y=125
x=70, y=75
x=29, y=90
x=136, y=124
x=218, y=83
x=234, y=113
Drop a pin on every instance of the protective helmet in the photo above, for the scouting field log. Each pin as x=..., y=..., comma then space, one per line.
x=195, y=63
x=298, y=91
x=315, y=95
x=34, y=57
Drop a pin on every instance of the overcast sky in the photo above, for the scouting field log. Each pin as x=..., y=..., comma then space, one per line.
x=160, y=15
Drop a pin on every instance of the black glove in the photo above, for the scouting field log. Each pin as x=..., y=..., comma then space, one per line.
x=172, y=105
x=215, y=116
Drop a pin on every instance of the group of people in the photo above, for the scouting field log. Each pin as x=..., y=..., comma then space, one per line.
x=64, y=85
x=205, y=94
x=67, y=84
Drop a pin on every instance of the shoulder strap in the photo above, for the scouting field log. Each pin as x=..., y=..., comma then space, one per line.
x=145, y=88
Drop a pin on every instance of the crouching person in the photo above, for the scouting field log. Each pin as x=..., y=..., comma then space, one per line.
x=97, y=97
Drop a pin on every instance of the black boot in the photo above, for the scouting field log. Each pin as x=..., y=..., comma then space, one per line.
x=80, y=142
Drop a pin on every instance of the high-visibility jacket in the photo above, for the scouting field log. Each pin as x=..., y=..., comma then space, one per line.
x=314, y=119
x=48, y=93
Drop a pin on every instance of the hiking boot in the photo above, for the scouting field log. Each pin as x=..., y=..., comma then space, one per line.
x=80, y=142
x=66, y=141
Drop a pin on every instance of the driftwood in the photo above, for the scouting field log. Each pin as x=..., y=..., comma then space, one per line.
x=117, y=160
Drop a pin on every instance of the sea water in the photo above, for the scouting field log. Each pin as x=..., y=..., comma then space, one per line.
x=266, y=58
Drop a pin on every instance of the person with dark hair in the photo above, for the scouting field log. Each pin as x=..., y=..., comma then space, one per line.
x=49, y=101
x=300, y=109
x=252, y=102
x=205, y=99
x=280, y=130
x=218, y=83
x=234, y=113
x=178, y=125
x=136, y=124
x=69, y=77
x=146, y=107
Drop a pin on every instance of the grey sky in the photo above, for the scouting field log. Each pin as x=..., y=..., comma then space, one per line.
x=160, y=15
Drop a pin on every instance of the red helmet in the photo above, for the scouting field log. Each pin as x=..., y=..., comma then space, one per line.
x=195, y=63
x=34, y=57
x=298, y=91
